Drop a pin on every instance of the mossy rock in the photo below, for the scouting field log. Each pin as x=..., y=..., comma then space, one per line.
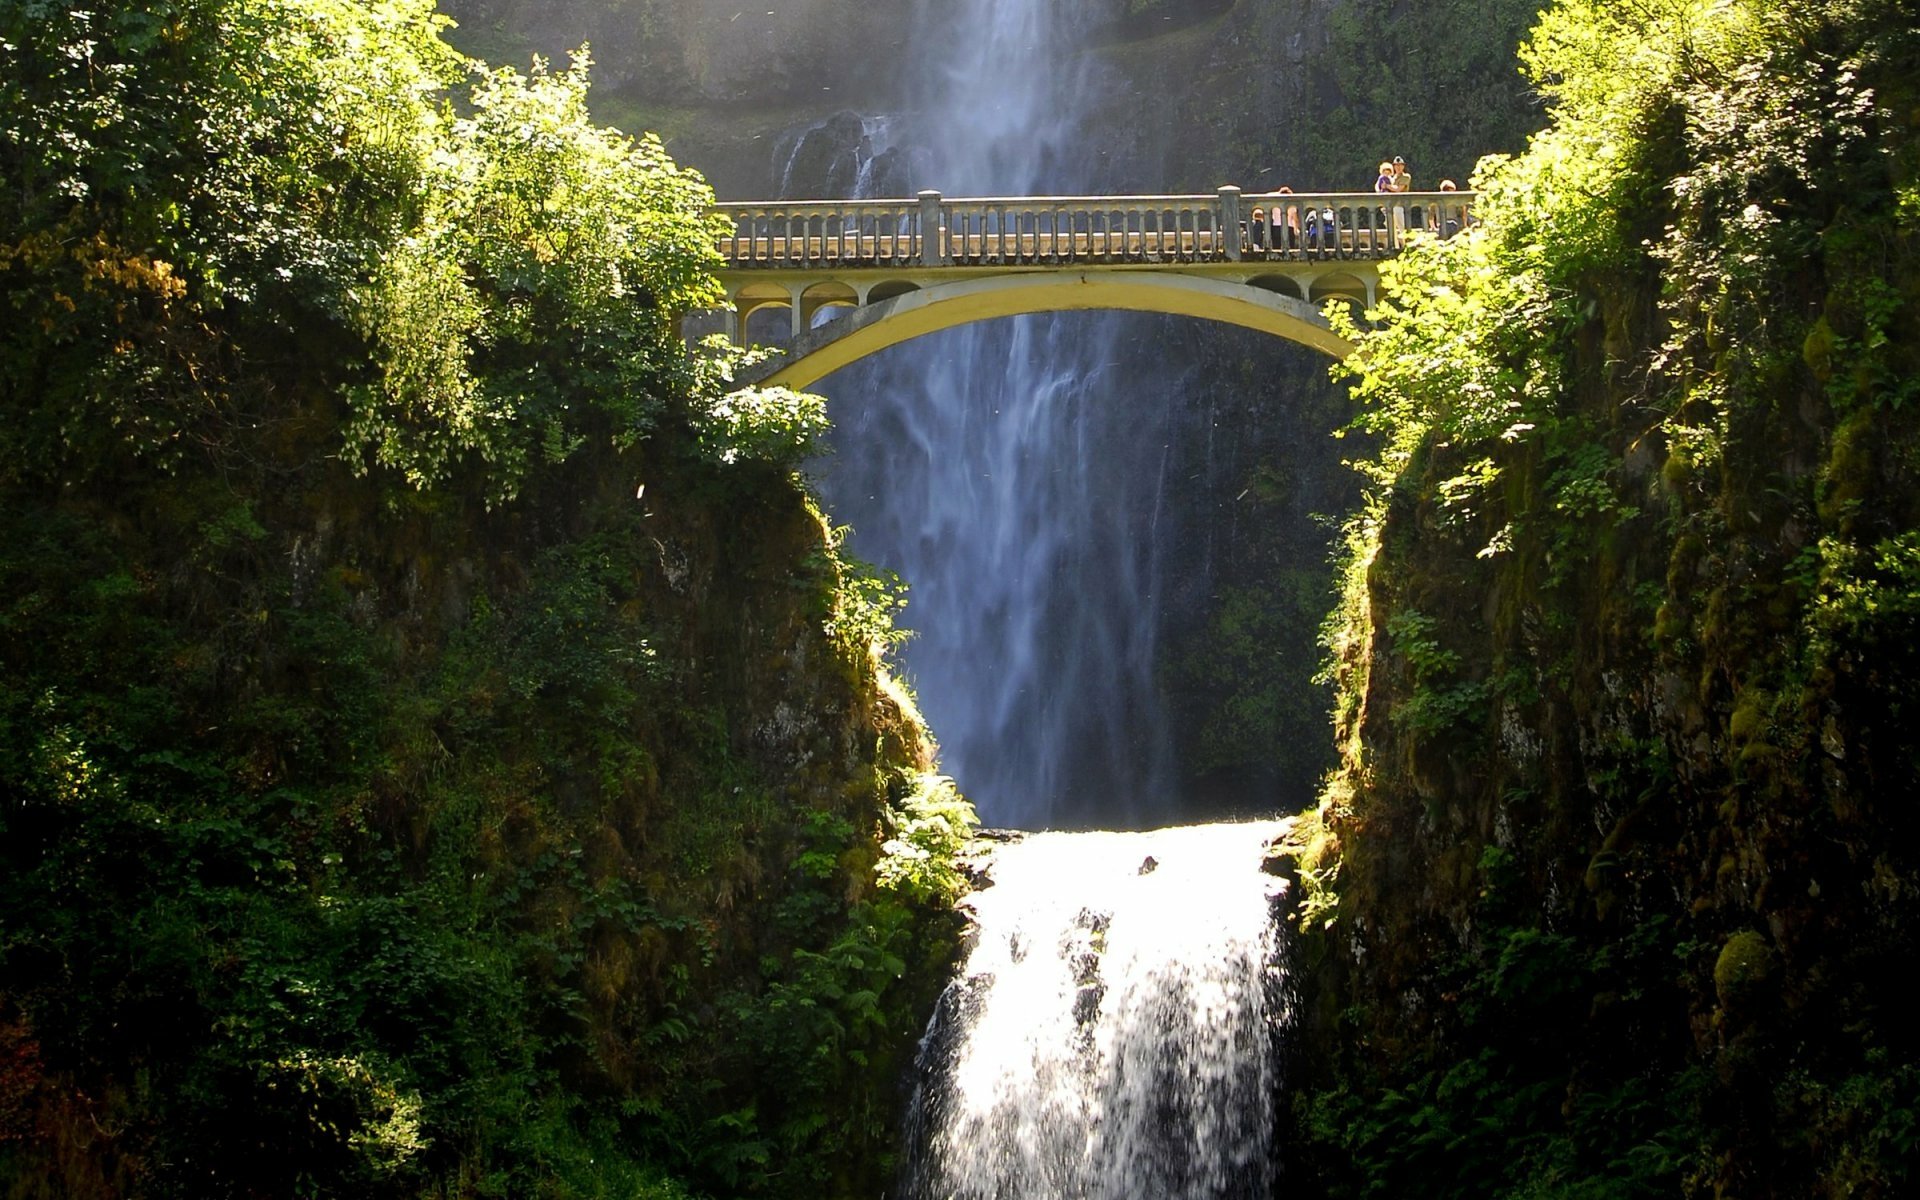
x=1817, y=349
x=1749, y=717
x=1677, y=472
x=1743, y=971
x=1851, y=469
x=1672, y=622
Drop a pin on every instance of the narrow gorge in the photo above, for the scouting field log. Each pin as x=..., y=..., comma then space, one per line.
x=458, y=738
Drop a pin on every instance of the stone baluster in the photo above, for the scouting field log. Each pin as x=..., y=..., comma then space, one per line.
x=933, y=241
x=1227, y=227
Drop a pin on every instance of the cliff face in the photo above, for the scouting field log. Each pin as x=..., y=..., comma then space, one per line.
x=1310, y=93
x=709, y=53
x=443, y=749
x=1617, y=878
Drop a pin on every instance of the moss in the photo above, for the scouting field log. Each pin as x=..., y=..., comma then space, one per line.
x=1743, y=969
x=1671, y=622
x=1677, y=472
x=1817, y=349
x=1308, y=856
x=1849, y=475
x=1750, y=716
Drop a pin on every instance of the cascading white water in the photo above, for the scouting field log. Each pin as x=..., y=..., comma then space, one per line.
x=1013, y=472
x=1111, y=1036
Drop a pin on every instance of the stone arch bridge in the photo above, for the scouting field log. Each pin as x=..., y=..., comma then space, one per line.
x=858, y=276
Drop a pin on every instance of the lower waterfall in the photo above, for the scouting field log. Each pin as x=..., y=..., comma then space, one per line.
x=1112, y=1033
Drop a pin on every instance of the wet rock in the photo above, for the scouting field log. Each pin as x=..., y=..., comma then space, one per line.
x=1086, y=1003
x=825, y=162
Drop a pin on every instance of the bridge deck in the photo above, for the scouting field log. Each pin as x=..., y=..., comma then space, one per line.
x=931, y=231
x=856, y=249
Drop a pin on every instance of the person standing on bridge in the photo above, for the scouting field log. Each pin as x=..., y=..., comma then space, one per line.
x=1257, y=231
x=1286, y=230
x=1403, y=182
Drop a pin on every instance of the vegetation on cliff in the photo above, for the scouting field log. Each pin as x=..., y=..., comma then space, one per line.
x=1611, y=894
x=442, y=749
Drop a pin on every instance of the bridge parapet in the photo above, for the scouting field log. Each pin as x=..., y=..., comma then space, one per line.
x=855, y=276
x=1044, y=231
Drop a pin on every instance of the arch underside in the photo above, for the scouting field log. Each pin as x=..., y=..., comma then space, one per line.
x=866, y=330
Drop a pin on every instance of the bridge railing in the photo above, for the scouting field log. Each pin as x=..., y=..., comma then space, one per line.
x=931, y=230
x=879, y=233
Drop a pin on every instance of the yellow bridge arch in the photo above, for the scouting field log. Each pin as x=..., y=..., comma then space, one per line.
x=877, y=325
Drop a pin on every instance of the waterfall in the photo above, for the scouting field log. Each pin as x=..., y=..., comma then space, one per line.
x=1014, y=473
x=1111, y=1035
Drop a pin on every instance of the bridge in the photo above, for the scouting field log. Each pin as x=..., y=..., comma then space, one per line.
x=903, y=268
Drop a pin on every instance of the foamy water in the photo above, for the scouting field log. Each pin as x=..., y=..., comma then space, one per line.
x=1113, y=1032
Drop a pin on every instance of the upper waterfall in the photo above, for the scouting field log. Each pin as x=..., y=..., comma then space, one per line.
x=1014, y=473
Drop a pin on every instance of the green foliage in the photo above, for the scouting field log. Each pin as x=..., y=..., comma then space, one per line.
x=170, y=161
x=1872, y=1118
x=864, y=604
x=539, y=281
x=286, y=974
x=389, y=808
x=1664, y=381
x=1864, y=595
x=1253, y=661
x=1438, y=698
x=379, y=920
x=931, y=826
x=1501, y=1119
x=775, y=426
x=510, y=270
x=1742, y=967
